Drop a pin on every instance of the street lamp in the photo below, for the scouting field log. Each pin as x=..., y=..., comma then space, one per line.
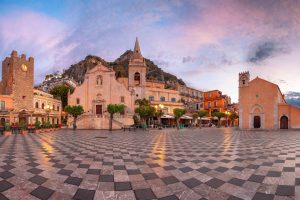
x=227, y=113
x=48, y=109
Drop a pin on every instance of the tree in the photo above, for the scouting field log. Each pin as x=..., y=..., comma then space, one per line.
x=75, y=111
x=202, y=113
x=195, y=117
x=145, y=112
x=178, y=113
x=219, y=115
x=158, y=114
x=233, y=116
x=112, y=109
x=61, y=91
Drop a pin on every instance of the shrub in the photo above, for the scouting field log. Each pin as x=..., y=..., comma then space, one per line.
x=7, y=127
x=37, y=125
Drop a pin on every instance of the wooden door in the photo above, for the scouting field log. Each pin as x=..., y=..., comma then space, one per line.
x=257, y=122
x=98, y=109
x=284, y=122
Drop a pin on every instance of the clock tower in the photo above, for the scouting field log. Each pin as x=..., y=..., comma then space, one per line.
x=17, y=81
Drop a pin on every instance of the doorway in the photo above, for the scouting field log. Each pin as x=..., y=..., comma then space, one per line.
x=98, y=109
x=284, y=122
x=257, y=122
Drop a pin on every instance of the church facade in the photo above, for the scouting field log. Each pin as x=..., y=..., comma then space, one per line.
x=262, y=105
x=101, y=87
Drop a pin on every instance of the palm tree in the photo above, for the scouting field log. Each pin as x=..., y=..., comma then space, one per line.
x=112, y=109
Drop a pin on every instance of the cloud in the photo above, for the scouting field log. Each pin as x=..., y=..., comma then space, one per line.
x=265, y=50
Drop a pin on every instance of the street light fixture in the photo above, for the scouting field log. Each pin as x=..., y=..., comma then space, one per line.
x=227, y=113
x=48, y=108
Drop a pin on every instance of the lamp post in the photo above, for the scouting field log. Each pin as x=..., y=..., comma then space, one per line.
x=227, y=113
x=48, y=109
x=159, y=108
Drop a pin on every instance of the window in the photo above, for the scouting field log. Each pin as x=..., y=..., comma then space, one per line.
x=137, y=78
x=244, y=82
x=173, y=99
x=208, y=104
x=162, y=99
x=209, y=95
x=36, y=104
x=122, y=99
x=215, y=104
x=43, y=105
x=77, y=101
x=57, y=108
x=151, y=98
x=2, y=105
x=99, y=80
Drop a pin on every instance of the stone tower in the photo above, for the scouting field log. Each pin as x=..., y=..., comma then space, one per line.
x=17, y=81
x=244, y=78
x=137, y=72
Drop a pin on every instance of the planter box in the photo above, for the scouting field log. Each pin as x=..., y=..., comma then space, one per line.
x=7, y=133
x=24, y=132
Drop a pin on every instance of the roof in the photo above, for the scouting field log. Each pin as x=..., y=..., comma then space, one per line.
x=268, y=82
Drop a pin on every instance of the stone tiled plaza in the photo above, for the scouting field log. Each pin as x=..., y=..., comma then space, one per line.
x=162, y=164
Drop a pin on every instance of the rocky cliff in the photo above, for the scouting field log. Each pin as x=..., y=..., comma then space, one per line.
x=120, y=66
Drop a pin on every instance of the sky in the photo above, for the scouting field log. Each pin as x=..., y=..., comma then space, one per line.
x=204, y=42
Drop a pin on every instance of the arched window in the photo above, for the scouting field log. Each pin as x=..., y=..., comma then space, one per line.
x=137, y=78
x=43, y=105
x=36, y=104
x=99, y=80
x=57, y=108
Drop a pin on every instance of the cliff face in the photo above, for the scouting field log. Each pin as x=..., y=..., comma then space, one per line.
x=120, y=66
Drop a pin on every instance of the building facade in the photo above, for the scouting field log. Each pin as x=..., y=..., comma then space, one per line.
x=215, y=101
x=263, y=106
x=17, y=94
x=99, y=89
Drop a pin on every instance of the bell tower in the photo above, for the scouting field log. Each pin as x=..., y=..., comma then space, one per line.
x=244, y=78
x=17, y=80
x=137, y=70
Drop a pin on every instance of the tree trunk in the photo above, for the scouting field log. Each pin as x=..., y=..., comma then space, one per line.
x=110, y=121
x=200, y=124
x=219, y=122
x=177, y=122
x=74, y=124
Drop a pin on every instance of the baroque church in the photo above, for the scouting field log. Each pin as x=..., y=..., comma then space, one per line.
x=263, y=106
x=101, y=87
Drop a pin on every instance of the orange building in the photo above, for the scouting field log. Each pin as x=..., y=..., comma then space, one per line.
x=214, y=100
x=6, y=105
x=262, y=105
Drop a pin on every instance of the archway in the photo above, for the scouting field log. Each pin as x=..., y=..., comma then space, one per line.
x=257, y=122
x=284, y=122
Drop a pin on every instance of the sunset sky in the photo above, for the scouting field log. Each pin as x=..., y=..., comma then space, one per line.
x=204, y=42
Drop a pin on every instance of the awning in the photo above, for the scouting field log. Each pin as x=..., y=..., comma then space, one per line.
x=166, y=116
x=205, y=118
x=186, y=117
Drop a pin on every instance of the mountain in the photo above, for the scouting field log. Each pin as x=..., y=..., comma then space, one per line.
x=293, y=98
x=120, y=66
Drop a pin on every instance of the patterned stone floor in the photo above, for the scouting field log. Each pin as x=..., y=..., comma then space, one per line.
x=189, y=164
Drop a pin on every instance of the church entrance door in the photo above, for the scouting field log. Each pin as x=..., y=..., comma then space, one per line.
x=98, y=109
x=257, y=122
x=284, y=122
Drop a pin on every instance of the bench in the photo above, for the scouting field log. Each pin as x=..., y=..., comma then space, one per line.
x=129, y=127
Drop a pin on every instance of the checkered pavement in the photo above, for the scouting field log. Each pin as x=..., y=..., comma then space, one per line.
x=187, y=164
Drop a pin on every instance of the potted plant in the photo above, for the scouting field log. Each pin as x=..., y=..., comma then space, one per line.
x=23, y=128
x=37, y=127
x=7, y=130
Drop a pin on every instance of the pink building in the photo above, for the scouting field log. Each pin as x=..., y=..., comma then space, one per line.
x=262, y=105
x=99, y=89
